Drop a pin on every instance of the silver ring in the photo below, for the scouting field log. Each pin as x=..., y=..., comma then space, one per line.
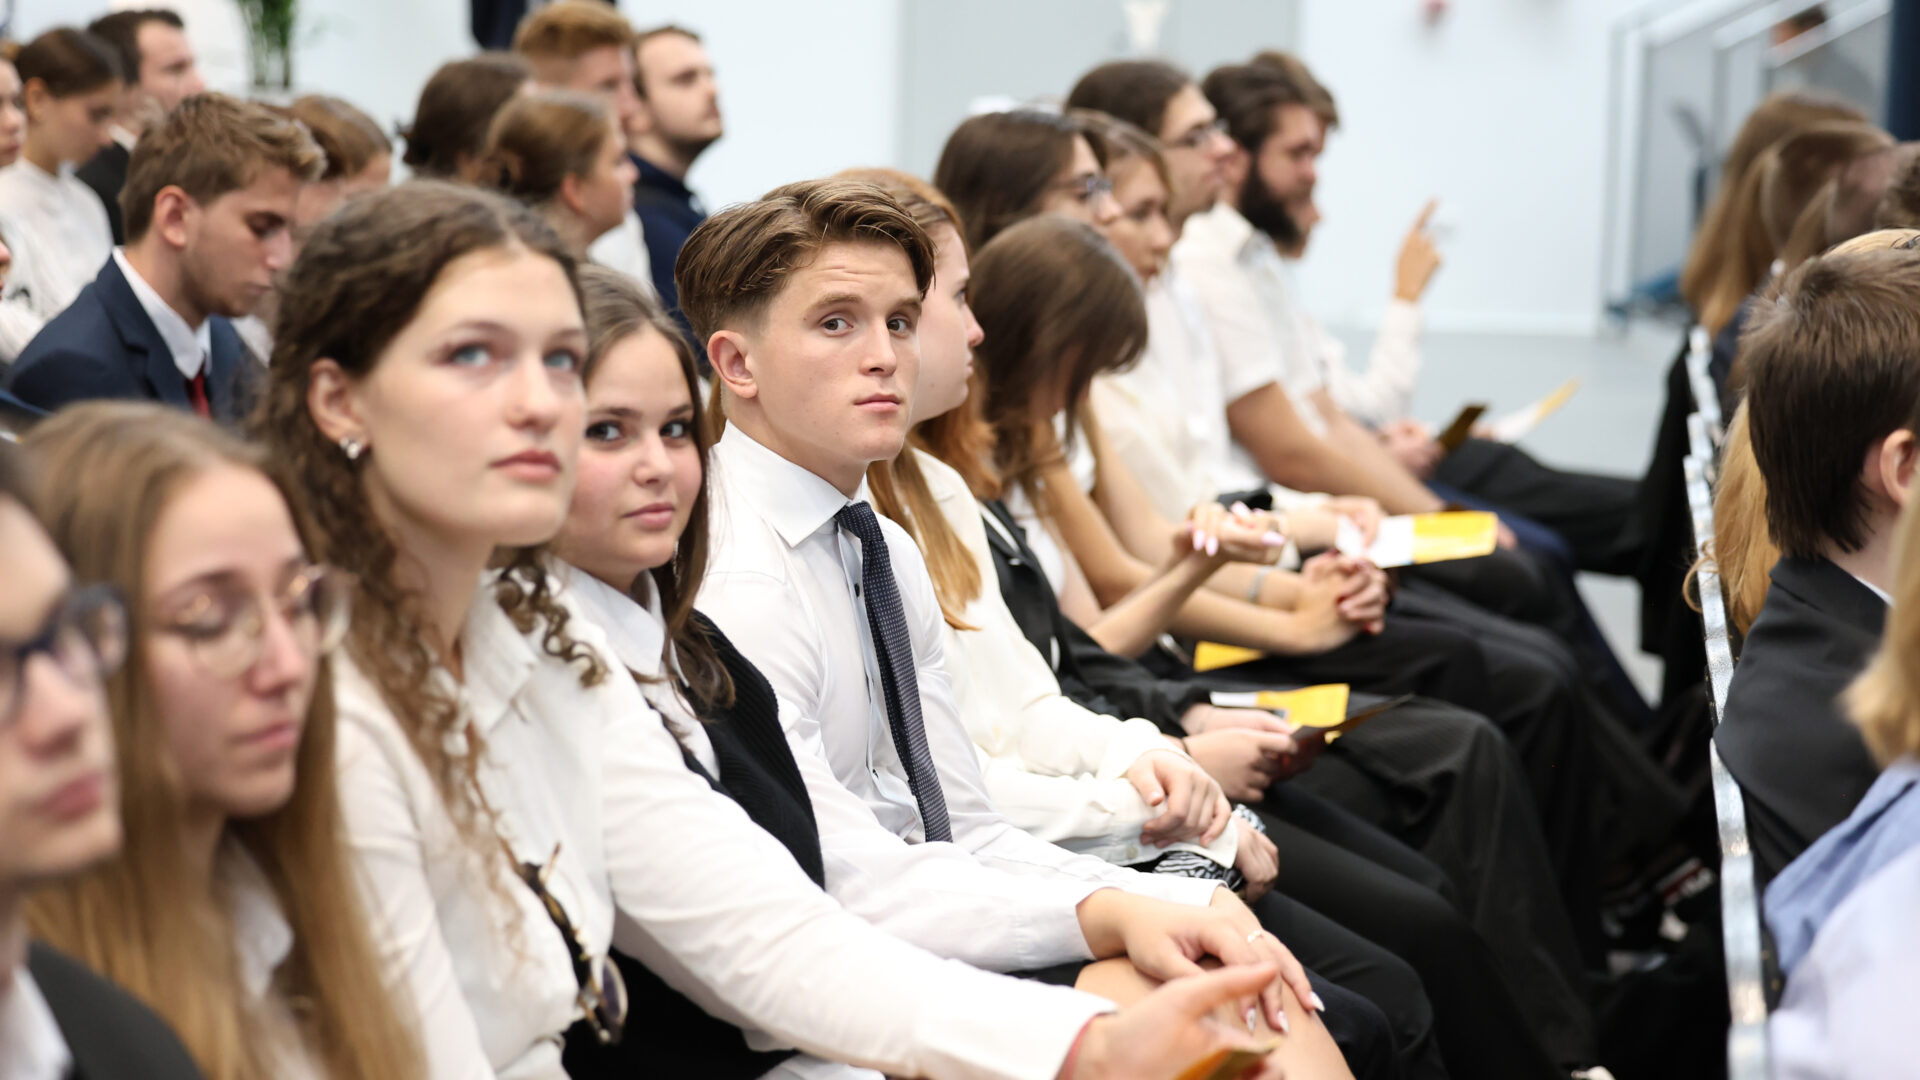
x=1256, y=936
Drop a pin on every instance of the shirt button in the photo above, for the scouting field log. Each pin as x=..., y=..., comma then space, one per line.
x=1132, y=853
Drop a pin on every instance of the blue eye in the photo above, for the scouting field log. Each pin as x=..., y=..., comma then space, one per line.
x=470, y=355
x=562, y=360
x=677, y=430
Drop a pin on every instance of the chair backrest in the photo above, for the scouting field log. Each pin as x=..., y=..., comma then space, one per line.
x=1706, y=396
x=1747, y=1056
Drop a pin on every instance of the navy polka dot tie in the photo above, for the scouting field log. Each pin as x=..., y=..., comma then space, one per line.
x=888, y=621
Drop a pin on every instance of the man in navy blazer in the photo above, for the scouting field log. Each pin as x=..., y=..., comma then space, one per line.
x=208, y=205
x=1833, y=384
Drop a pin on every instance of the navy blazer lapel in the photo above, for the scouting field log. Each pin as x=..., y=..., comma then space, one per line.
x=226, y=382
x=148, y=357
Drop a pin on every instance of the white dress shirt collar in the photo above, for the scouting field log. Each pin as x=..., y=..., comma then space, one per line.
x=260, y=928
x=796, y=502
x=31, y=1046
x=1226, y=228
x=127, y=139
x=189, y=345
x=510, y=659
x=637, y=638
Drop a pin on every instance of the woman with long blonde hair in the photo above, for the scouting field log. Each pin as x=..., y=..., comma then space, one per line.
x=232, y=910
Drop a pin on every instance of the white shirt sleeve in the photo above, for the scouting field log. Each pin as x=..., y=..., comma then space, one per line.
x=1243, y=333
x=391, y=852
x=977, y=825
x=719, y=909
x=934, y=895
x=1383, y=393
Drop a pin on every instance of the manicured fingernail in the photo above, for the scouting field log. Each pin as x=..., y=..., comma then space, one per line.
x=1242, y=508
x=1318, y=1005
x=1199, y=539
x=1213, y=545
x=1272, y=538
x=1249, y=1017
x=1285, y=1025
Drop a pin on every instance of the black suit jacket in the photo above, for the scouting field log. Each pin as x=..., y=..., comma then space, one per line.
x=110, y=1035
x=1801, y=765
x=106, y=174
x=105, y=346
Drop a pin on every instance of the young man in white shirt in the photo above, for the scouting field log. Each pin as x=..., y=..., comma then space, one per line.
x=587, y=46
x=59, y=811
x=210, y=202
x=807, y=301
x=161, y=72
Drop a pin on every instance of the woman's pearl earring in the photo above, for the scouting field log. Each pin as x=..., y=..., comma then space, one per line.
x=351, y=447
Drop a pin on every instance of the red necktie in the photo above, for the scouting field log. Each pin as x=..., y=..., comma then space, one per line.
x=197, y=392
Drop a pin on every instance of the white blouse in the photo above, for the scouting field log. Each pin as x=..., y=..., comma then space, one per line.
x=264, y=940
x=1052, y=766
x=704, y=898
x=57, y=229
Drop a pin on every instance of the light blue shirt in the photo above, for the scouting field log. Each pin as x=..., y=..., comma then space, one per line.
x=1885, y=826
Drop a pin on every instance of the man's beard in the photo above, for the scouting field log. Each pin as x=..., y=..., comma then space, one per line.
x=1268, y=214
x=688, y=150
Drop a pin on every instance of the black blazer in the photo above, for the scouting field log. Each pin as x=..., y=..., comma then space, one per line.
x=105, y=346
x=667, y=1034
x=1801, y=765
x=106, y=174
x=111, y=1035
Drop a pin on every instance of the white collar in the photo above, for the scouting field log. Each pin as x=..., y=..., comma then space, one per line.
x=498, y=659
x=261, y=931
x=124, y=137
x=191, y=347
x=31, y=1045
x=636, y=632
x=1223, y=224
x=1885, y=596
x=796, y=502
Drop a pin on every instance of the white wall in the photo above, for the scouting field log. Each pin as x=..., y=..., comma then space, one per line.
x=804, y=95
x=1500, y=110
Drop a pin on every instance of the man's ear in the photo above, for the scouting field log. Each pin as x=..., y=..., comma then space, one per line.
x=1234, y=169
x=728, y=352
x=333, y=401
x=171, y=207
x=1897, y=457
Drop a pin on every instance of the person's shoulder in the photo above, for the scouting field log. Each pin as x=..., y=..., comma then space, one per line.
x=111, y=1034
x=76, y=354
x=943, y=480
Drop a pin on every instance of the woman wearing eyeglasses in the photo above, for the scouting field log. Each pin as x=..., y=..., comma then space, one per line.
x=999, y=168
x=59, y=809
x=232, y=909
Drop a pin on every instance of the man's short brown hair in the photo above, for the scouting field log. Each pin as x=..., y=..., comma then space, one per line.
x=1833, y=366
x=565, y=30
x=210, y=145
x=736, y=261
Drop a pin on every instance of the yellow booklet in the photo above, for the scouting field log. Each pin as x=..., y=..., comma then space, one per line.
x=1409, y=539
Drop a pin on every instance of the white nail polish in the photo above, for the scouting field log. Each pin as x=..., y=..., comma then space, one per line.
x=1286, y=1026
x=1249, y=1017
x=1318, y=1005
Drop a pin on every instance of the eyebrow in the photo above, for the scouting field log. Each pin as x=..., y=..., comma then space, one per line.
x=228, y=575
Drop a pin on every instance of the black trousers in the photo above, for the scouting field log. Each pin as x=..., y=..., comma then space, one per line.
x=1589, y=510
x=1396, y=1037
x=1370, y=883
